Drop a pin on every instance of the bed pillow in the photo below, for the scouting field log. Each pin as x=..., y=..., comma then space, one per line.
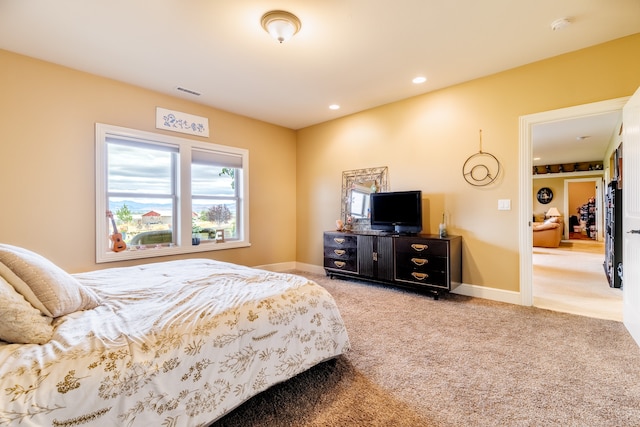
x=45, y=285
x=20, y=322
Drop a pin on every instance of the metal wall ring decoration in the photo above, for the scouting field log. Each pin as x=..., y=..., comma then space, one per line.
x=481, y=168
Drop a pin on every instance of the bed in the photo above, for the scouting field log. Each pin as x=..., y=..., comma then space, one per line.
x=177, y=343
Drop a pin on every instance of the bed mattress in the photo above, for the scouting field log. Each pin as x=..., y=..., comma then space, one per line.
x=176, y=343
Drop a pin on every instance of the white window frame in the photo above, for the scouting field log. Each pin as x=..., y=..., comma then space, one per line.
x=182, y=235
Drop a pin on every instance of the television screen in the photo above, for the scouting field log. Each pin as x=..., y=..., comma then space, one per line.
x=399, y=212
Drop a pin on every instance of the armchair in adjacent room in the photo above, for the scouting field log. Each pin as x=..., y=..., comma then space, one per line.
x=548, y=233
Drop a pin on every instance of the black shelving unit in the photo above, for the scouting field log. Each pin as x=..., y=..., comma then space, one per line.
x=588, y=217
x=613, y=235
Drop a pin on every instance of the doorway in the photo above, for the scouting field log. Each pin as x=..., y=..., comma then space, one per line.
x=583, y=204
x=526, y=183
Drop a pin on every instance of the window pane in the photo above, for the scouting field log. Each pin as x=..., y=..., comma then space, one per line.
x=211, y=215
x=210, y=180
x=143, y=221
x=139, y=169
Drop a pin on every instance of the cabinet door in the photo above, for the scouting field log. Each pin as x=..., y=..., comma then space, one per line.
x=385, y=258
x=366, y=256
x=375, y=257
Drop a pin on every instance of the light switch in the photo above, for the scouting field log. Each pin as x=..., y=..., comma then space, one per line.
x=504, y=204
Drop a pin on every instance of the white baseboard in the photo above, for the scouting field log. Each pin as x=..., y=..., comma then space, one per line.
x=279, y=267
x=631, y=318
x=311, y=268
x=292, y=265
x=493, y=294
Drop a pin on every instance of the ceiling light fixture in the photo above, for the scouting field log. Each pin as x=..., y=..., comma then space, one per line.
x=559, y=24
x=334, y=107
x=280, y=25
x=583, y=137
x=419, y=80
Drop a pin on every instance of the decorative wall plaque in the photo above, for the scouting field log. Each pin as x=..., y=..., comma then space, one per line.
x=176, y=121
x=545, y=195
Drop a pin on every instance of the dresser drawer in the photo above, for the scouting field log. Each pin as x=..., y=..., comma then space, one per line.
x=340, y=241
x=421, y=261
x=341, y=264
x=342, y=253
x=422, y=277
x=409, y=245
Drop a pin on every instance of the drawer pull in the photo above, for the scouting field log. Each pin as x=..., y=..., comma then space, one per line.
x=419, y=276
x=418, y=247
x=339, y=252
x=338, y=240
x=419, y=261
x=339, y=264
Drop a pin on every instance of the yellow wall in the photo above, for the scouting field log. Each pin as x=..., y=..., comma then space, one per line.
x=556, y=184
x=426, y=139
x=47, y=119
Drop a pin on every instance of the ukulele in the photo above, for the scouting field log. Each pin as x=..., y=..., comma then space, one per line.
x=118, y=244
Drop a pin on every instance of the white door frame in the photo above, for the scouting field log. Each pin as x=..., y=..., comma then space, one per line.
x=526, y=183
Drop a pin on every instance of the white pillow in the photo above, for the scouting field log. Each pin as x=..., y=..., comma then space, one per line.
x=46, y=286
x=20, y=322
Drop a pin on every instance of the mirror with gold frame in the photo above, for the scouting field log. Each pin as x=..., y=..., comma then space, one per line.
x=357, y=185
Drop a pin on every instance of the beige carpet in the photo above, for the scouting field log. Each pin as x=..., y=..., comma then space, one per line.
x=458, y=361
x=571, y=279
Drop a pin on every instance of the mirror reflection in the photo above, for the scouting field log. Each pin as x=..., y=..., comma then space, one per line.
x=357, y=185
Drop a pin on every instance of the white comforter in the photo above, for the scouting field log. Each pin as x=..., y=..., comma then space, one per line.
x=176, y=343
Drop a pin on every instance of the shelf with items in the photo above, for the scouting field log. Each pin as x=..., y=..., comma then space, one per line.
x=564, y=168
x=613, y=235
x=587, y=218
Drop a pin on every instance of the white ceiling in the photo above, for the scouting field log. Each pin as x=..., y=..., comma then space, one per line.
x=356, y=53
x=583, y=139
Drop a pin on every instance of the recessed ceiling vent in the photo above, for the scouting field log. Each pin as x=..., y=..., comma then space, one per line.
x=189, y=91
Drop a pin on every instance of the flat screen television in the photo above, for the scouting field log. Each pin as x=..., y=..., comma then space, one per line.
x=398, y=212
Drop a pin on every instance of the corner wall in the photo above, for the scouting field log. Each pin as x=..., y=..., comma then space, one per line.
x=47, y=139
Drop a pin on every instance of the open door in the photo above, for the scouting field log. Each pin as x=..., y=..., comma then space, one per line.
x=631, y=215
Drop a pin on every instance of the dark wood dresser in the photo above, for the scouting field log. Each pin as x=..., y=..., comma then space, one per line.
x=421, y=262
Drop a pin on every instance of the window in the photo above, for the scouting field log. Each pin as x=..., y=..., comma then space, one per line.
x=167, y=195
x=214, y=195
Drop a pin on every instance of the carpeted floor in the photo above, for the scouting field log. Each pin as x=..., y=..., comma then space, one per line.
x=458, y=361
